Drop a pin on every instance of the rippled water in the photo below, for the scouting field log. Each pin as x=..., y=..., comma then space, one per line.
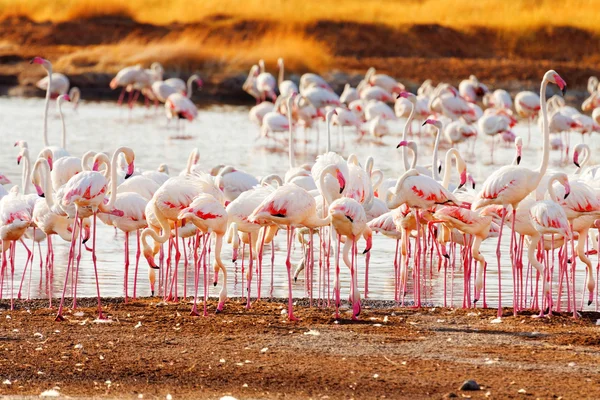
x=225, y=135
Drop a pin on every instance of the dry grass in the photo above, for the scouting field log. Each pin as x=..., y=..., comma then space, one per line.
x=188, y=54
x=512, y=14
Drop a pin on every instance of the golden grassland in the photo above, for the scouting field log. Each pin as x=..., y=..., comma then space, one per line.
x=498, y=14
x=188, y=54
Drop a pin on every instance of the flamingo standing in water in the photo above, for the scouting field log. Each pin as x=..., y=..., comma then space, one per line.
x=286, y=87
x=86, y=191
x=509, y=185
x=348, y=219
x=265, y=83
x=527, y=105
x=210, y=217
x=291, y=206
x=60, y=84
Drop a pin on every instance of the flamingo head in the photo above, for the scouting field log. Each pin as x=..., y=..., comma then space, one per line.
x=21, y=143
x=555, y=78
x=519, y=147
x=64, y=97
x=433, y=122
x=341, y=180
x=129, y=157
x=576, y=158
x=41, y=61
x=86, y=233
x=402, y=143
x=463, y=178
x=471, y=181
x=199, y=82
x=368, y=235
x=39, y=190
x=567, y=189
x=407, y=95
x=4, y=180
x=150, y=258
x=19, y=157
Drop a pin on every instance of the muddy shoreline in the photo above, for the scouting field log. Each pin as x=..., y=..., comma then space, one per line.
x=152, y=348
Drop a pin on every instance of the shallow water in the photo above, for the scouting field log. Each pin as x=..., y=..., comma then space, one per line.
x=225, y=135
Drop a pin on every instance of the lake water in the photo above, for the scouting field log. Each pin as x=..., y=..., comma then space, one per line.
x=225, y=135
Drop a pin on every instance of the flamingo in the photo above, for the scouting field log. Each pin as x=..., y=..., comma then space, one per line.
x=499, y=98
x=86, y=191
x=509, y=185
x=383, y=81
x=60, y=84
x=527, y=105
x=349, y=94
x=286, y=87
x=126, y=78
x=348, y=219
x=291, y=206
x=234, y=182
x=15, y=218
x=249, y=85
x=310, y=80
x=209, y=216
x=265, y=83
x=471, y=89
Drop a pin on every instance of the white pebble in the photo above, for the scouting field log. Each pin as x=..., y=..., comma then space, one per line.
x=571, y=364
x=222, y=360
x=7, y=382
x=138, y=325
x=376, y=376
x=522, y=391
x=264, y=349
x=50, y=393
x=312, y=333
x=78, y=346
x=496, y=321
x=169, y=397
x=38, y=335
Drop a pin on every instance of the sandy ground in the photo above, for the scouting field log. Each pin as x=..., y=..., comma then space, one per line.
x=153, y=349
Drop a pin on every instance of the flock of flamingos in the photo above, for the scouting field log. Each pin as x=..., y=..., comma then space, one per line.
x=329, y=207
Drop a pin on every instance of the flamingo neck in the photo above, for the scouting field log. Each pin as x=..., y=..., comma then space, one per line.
x=112, y=172
x=586, y=157
x=165, y=227
x=190, y=87
x=448, y=165
x=434, y=162
x=26, y=172
x=329, y=197
x=553, y=178
x=281, y=74
x=546, y=130
x=46, y=181
x=47, y=105
x=406, y=175
x=407, y=126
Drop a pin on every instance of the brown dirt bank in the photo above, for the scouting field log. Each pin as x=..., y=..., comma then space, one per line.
x=222, y=48
x=155, y=349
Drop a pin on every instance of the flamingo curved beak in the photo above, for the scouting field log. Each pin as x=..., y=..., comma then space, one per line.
x=576, y=159
x=39, y=191
x=19, y=160
x=341, y=181
x=560, y=82
x=463, y=179
x=567, y=191
x=402, y=143
x=130, y=170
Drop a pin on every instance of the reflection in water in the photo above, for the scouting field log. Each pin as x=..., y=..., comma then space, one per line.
x=224, y=135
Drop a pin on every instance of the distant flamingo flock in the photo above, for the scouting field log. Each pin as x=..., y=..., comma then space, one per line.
x=328, y=209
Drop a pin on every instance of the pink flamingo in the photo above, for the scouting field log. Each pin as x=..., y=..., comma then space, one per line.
x=210, y=217
x=348, y=218
x=86, y=191
x=292, y=206
x=509, y=185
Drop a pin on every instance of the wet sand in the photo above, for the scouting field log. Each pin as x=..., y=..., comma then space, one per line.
x=153, y=349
